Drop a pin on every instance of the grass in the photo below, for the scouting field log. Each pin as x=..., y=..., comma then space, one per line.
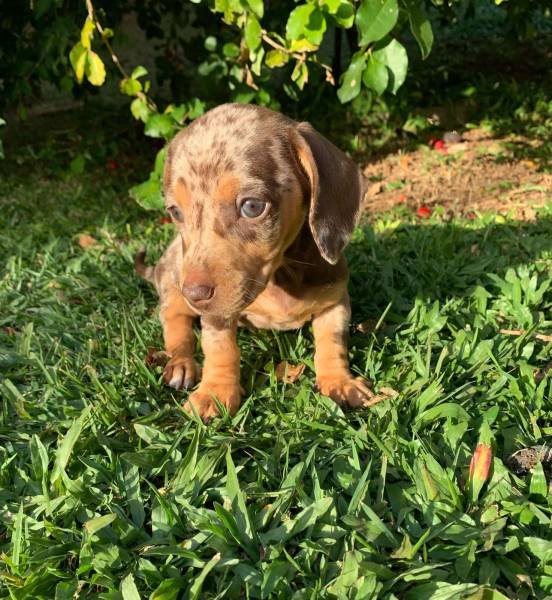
x=108, y=489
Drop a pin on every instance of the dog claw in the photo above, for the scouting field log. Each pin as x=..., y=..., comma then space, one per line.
x=176, y=380
x=181, y=372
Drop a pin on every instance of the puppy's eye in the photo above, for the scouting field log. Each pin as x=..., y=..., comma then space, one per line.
x=251, y=208
x=175, y=213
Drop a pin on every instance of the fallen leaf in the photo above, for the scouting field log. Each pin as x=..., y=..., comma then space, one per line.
x=156, y=358
x=367, y=326
x=86, y=241
x=374, y=189
x=388, y=392
x=289, y=373
x=404, y=162
x=456, y=148
x=530, y=164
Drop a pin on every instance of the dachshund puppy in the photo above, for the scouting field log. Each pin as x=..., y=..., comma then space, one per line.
x=264, y=207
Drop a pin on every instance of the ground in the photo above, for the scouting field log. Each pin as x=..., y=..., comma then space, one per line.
x=110, y=490
x=477, y=171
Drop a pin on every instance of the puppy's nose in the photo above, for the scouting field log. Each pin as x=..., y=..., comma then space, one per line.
x=198, y=289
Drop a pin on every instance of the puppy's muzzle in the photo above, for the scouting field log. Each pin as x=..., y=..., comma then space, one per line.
x=198, y=289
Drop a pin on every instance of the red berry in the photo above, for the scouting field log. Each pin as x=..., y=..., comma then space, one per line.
x=112, y=165
x=439, y=145
x=470, y=215
x=424, y=212
x=164, y=220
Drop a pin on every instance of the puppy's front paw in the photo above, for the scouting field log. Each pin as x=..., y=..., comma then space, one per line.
x=347, y=391
x=203, y=399
x=182, y=371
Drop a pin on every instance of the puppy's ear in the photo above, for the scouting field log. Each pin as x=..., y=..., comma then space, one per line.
x=335, y=190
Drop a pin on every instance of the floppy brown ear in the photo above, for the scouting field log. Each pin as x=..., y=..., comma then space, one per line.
x=335, y=191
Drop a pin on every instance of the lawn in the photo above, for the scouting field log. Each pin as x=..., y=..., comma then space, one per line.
x=109, y=489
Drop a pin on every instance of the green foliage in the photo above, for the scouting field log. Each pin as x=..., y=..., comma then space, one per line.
x=109, y=490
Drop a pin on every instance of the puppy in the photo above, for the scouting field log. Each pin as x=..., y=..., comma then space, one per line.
x=264, y=207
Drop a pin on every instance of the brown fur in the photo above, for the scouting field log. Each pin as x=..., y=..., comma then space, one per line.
x=279, y=270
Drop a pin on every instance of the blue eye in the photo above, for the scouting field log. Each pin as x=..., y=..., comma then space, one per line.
x=175, y=213
x=252, y=208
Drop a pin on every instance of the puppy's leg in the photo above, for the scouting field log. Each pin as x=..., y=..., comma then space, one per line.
x=331, y=364
x=177, y=320
x=221, y=369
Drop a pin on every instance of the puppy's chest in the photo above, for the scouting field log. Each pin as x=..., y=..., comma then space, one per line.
x=275, y=308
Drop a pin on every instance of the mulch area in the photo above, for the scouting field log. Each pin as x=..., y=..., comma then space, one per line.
x=472, y=171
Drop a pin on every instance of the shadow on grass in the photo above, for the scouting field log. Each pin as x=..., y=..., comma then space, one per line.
x=442, y=261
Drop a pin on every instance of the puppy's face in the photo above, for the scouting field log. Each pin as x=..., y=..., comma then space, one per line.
x=238, y=195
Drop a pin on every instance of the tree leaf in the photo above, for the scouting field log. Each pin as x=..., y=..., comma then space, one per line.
x=138, y=72
x=394, y=57
x=95, y=69
x=308, y=22
x=300, y=74
x=159, y=126
x=87, y=33
x=252, y=33
x=139, y=109
x=375, y=19
x=130, y=86
x=148, y=194
x=352, y=78
x=77, y=57
x=345, y=15
x=376, y=76
x=257, y=6
x=420, y=26
x=276, y=58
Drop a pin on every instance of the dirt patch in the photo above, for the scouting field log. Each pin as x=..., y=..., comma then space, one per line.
x=465, y=173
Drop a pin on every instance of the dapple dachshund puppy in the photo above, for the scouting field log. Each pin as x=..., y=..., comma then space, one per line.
x=264, y=207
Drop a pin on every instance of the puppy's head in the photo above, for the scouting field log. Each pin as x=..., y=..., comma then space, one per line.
x=239, y=183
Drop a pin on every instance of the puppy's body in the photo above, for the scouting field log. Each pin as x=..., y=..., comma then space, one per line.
x=264, y=208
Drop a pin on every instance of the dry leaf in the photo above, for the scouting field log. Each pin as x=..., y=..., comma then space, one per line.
x=374, y=189
x=86, y=241
x=456, y=148
x=540, y=374
x=367, y=326
x=530, y=164
x=156, y=358
x=388, y=392
x=289, y=373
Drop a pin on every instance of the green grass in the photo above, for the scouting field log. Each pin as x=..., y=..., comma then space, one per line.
x=108, y=489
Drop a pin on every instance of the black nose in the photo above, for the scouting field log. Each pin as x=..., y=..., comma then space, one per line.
x=197, y=292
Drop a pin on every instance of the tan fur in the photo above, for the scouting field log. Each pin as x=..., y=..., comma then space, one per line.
x=279, y=270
